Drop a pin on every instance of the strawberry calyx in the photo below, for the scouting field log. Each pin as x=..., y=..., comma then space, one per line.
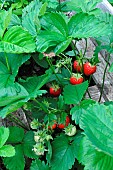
x=55, y=87
x=76, y=75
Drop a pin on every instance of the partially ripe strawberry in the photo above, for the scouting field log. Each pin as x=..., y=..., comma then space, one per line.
x=77, y=66
x=67, y=120
x=54, y=126
x=76, y=79
x=55, y=90
x=89, y=69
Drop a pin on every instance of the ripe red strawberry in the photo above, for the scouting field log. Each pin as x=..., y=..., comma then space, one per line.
x=55, y=90
x=67, y=121
x=89, y=69
x=54, y=126
x=61, y=126
x=76, y=79
x=77, y=66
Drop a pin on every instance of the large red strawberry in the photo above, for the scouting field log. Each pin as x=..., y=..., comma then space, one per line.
x=55, y=90
x=89, y=69
x=76, y=79
x=77, y=65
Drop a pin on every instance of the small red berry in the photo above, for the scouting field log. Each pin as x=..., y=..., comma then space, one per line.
x=67, y=120
x=77, y=66
x=61, y=126
x=55, y=91
x=89, y=69
x=76, y=79
x=54, y=126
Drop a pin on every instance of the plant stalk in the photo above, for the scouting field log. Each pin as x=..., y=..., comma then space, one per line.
x=102, y=88
x=51, y=66
x=73, y=48
x=41, y=105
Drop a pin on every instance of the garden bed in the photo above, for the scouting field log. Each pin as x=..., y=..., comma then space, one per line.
x=56, y=102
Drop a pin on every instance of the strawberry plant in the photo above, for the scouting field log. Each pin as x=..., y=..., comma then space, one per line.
x=43, y=73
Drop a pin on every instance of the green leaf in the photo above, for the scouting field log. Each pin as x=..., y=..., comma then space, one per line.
x=111, y=68
x=16, y=162
x=38, y=165
x=64, y=152
x=49, y=153
x=100, y=132
x=73, y=94
x=30, y=15
x=12, y=107
x=81, y=6
x=15, y=21
x=9, y=65
x=28, y=143
x=55, y=34
x=7, y=151
x=18, y=92
x=33, y=84
x=92, y=158
x=78, y=110
x=43, y=9
x=17, y=40
x=4, y=134
x=83, y=26
x=55, y=22
x=41, y=62
x=29, y=22
x=62, y=46
x=48, y=39
x=16, y=134
x=5, y=17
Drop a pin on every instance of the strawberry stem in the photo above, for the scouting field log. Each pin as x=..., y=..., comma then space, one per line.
x=51, y=66
x=73, y=46
x=102, y=88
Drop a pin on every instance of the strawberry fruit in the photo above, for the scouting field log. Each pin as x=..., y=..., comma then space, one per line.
x=89, y=69
x=55, y=90
x=76, y=79
x=62, y=126
x=77, y=66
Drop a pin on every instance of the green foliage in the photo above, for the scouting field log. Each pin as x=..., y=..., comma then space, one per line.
x=78, y=110
x=84, y=26
x=38, y=165
x=28, y=143
x=64, y=152
x=5, y=17
x=4, y=133
x=16, y=162
x=111, y=68
x=55, y=34
x=36, y=52
x=5, y=150
x=73, y=94
x=98, y=159
x=16, y=134
x=30, y=19
x=17, y=40
x=85, y=6
x=100, y=132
